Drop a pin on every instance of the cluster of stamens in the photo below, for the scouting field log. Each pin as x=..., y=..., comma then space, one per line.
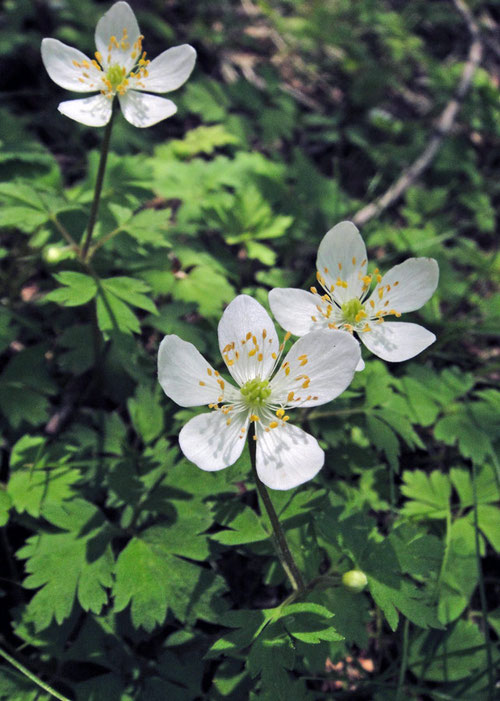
x=115, y=78
x=354, y=314
x=255, y=395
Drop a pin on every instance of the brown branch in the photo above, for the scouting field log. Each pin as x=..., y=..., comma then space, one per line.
x=443, y=127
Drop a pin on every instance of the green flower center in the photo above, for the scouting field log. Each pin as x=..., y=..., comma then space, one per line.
x=353, y=311
x=255, y=392
x=115, y=75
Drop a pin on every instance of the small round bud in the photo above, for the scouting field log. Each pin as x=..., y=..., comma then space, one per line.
x=354, y=580
x=52, y=254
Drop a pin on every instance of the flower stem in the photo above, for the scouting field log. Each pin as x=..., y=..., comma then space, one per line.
x=286, y=557
x=31, y=676
x=98, y=186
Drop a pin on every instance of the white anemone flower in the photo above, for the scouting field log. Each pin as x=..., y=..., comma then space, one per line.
x=317, y=368
x=345, y=302
x=120, y=68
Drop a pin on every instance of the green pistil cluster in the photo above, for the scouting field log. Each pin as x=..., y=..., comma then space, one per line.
x=115, y=76
x=353, y=311
x=256, y=392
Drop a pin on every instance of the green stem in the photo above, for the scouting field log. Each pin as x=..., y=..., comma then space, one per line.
x=482, y=592
x=31, y=676
x=336, y=412
x=98, y=186
x=404, y=661
x=286, y=558
x=65, y=234
x=104, y=239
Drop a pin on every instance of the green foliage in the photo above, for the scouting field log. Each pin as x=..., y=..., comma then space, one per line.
x=75, y=563
x=131, y=574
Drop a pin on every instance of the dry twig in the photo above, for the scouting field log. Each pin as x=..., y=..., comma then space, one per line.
x=444, y=125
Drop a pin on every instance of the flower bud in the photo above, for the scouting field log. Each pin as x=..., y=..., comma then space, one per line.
x=354, y=580
x=53, y=254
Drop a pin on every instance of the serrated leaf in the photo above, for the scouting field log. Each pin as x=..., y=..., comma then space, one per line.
x=151, y=579
x=448, y=656
x=459, y=576
x=5, y=504
x=207, y=288
x=270, y=656
x=78, y=289
x=488, y=519
x=203, y=139
x=146, y=413
x=131, y=291
x=384, y=439
x=429, y=495
x=68, y=565
x=24, y=383
x=246, y=527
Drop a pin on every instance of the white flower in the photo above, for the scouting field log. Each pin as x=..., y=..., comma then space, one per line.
x=345, y=302
x=120, y=67
x=317, y=368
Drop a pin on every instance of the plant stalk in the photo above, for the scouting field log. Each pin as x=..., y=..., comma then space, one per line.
x=31, y=676
x=286, y=557
x=98, y=186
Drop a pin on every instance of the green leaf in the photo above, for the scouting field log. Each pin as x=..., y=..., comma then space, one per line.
x=79, y=289
x=148, y=226
x=131, y=291
x=15, y=686
x=269, y=658
x=114, y=297
x=261, y=252
x=146, y=412
x=207, y=288
x=384, y=439
x=115, y=315
x=203, y=139
x=152, y=578
x=67, y=565
x=456, y=653
x=35, y=480
x=487, y=489
x=22, y=208
x=5, y=504
x=459, y=576
x=458, y=428
x=246, y=527
x=24, y=384
x=488, y=519
x=429, y=495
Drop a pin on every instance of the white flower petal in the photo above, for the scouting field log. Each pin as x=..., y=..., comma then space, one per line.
x=118, y=19
x=321, y=364
x=210, y=443
x=287, y=456
x=411, y=285
x=59, y=61
x=93, y=111
x=361, y=365
x=342, y=254
x=294, y=309
x=185, y=375
x=144, y=110
x=246, y=323
x=397, y=341
x=168, y=71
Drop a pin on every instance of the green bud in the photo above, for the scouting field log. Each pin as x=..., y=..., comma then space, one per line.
x=54, y=254
x=354, y=580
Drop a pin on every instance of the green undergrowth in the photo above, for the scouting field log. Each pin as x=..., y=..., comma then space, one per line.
x=127, y=573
